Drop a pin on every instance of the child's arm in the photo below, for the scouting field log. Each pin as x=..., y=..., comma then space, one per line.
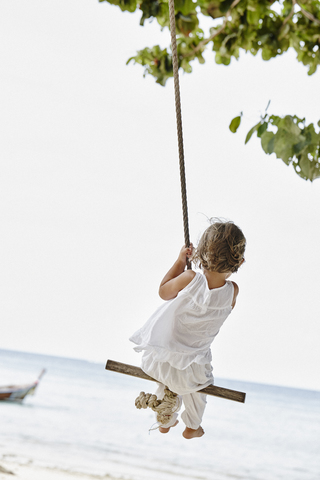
x=177, y=277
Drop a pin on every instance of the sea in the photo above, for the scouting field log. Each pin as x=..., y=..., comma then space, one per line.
x=83, y=419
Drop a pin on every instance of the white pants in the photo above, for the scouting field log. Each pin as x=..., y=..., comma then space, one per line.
x=194, y=404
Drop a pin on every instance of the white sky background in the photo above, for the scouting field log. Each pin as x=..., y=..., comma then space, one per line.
x=90, y=209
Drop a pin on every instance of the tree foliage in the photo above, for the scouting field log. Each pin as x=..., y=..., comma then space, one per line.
x=290, y=139
x=271, y=27
x=266, y=26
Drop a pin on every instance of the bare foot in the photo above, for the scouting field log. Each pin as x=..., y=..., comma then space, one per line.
x=190, y=433
x=166, y=430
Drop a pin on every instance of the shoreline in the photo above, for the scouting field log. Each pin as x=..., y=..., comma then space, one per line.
x=29, y=471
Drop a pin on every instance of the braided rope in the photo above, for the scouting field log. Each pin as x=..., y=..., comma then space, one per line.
x=164, y=408
x=179, y=123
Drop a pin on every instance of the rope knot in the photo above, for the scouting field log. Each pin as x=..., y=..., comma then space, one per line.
x=146, y=400
x=164, y=408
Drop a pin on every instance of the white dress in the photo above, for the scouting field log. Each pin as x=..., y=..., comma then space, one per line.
x=176, y=339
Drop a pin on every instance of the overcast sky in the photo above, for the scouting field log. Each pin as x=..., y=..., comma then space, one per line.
x=90, y=203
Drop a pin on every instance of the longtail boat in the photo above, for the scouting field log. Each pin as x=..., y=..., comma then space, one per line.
x=16, y=393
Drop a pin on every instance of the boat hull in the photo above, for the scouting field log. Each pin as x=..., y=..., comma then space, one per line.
x=17, y=393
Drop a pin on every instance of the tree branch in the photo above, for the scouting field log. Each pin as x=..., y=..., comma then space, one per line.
x=308, y=15
x=290, y=14
x=204, y=42
x=207, y=40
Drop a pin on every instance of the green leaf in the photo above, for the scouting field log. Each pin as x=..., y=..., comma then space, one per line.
x=251, y=132
x=298, y=147
x=267, y=142
x=224, y=7
x=275, y=120
x=309, y=168
x=284, y=30
x=235, y=123
x=253, y=17
x=263, y=127
x=283, y=144
x=267, y=54
x=184, y=6
x=289, y=125
x=225, y=60
x=218, y=58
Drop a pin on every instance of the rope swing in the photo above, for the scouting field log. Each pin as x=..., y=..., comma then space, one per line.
x=166, y=407
x=175, y=65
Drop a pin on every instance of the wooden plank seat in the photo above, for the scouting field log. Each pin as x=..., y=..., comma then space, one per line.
x=210, y=390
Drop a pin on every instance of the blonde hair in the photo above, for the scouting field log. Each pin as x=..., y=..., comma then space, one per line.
x=221, y=247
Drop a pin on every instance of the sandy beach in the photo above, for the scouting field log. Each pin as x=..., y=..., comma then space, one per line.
x=10, y=471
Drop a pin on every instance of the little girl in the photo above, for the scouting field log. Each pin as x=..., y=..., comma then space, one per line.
x=176, y=339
